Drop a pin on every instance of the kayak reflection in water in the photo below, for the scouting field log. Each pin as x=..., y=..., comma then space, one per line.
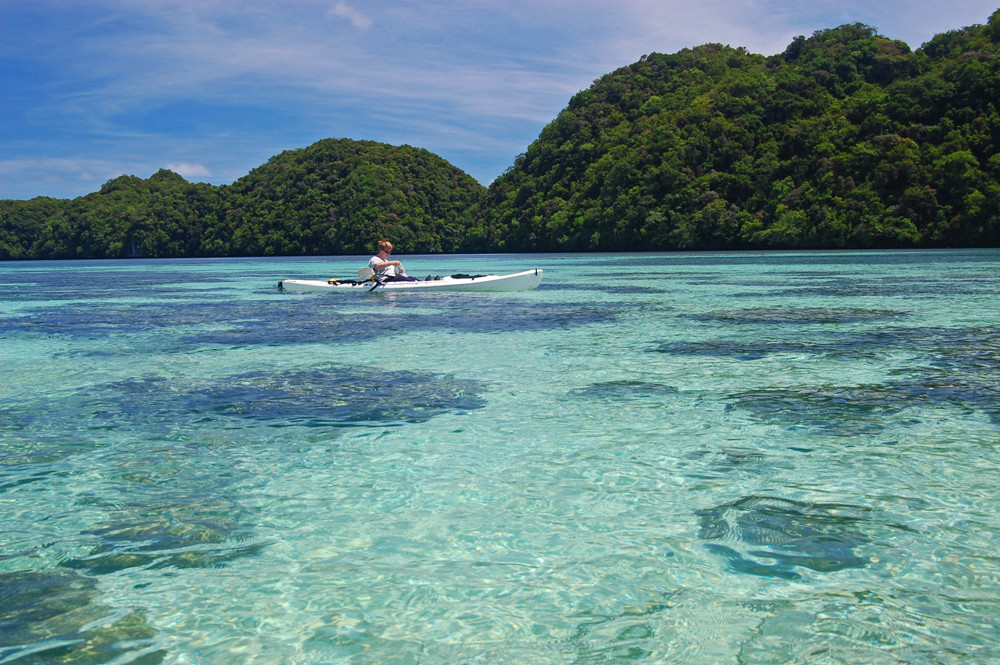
x=386, y=270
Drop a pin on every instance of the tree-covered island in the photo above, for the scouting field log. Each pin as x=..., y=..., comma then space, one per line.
x=847, y=139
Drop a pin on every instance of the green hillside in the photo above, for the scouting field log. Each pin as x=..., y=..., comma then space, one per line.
x=340, y=197
x=334, y=197
x=161, y=216
x=847, y=139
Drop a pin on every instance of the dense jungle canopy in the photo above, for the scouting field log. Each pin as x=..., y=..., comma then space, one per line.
x=848, y=139
x=334, y=197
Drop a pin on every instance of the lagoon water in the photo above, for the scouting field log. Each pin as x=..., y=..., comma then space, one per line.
x=653, y=458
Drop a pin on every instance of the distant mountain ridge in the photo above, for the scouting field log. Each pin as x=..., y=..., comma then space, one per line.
x=848, y=139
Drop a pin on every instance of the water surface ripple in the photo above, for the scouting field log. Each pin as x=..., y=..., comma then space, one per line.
x=747, y=458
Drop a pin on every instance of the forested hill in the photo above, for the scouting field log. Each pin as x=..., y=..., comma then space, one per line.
x=341, y=197
x=847, y=139
x=336, y=196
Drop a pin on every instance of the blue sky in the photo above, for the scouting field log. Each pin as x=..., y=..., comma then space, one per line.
x=92, y=89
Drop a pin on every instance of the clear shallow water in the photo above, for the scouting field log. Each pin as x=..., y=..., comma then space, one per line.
x=684, y=458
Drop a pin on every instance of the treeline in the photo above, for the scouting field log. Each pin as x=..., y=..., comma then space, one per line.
x=848, y=139
x=333, y=197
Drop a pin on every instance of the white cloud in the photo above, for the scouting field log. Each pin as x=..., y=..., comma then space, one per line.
x=189, y=170
x=357, y=19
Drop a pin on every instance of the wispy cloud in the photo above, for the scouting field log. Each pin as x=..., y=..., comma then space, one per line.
x=81, y=175
x=189, y=170
x=357, y=19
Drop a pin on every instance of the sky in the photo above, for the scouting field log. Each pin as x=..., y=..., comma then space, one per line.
x=211, y=89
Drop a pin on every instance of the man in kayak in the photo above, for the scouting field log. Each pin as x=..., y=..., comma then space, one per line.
x=386, y=270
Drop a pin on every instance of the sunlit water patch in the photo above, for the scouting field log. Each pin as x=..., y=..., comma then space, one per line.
x=685, y=458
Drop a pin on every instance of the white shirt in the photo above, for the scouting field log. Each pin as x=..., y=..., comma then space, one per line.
x=388, y=271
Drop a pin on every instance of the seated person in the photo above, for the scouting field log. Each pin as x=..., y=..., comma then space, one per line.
x=386, y=270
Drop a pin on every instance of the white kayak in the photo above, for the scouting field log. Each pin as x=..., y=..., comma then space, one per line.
x=518, y=281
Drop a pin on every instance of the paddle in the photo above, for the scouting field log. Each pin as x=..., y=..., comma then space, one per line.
x=367, y=273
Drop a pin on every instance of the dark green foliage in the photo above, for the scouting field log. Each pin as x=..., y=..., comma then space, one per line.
x=334, y=197
x=341, y=197
x=159, y=217
x=847, y=139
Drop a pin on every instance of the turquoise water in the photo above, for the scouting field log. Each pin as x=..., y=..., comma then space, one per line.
x=683, y=458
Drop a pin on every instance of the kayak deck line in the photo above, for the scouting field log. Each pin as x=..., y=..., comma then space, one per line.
x=519, y=281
